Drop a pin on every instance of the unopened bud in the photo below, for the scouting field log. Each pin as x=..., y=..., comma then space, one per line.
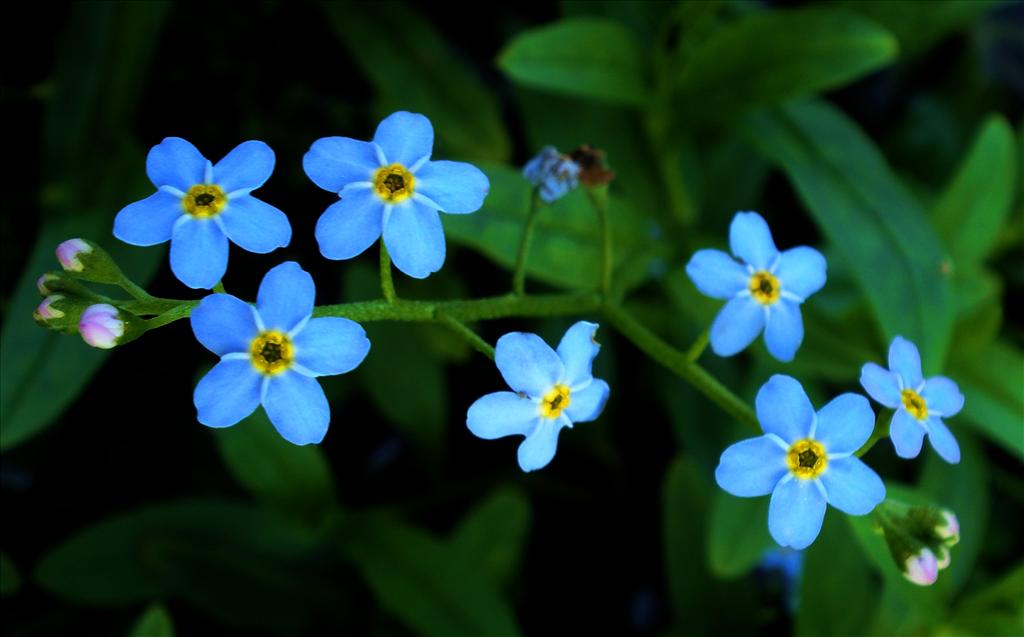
x=47, y=310
x=87, y=261
x=949, y=529
x=60, y=312
x=922, y=569
x=59, y=282
x=104, y=326
x=554, y=174
x=69, y=254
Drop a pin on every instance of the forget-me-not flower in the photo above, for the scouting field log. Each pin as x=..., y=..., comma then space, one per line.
x=199, y=206
x=272, y=353
x=764, y=292
x=551, y=390
x=389, y=187
x=920, y=404
x=804, y=459
x=554, y=174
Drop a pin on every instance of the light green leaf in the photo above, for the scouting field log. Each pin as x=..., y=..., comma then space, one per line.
x=995, y=611
x=918, y=25
x=980, y=196
x=589, y=57
x=872, y=221
x=737, y=534
x=772, y=56
x=490, y=537
x=155, y=622
x=991, y=382
x=10, y=581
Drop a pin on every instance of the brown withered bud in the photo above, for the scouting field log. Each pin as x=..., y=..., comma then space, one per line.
x=593, y=171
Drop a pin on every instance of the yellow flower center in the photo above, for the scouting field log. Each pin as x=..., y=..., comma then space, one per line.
x=764, y=287
x=204, y=200
x=555, y=402
x=393, y=184
x=271, y=352
x=806, y=459
x=914, y=404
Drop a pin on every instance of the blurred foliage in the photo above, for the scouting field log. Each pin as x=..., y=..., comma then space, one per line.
x=889, y=134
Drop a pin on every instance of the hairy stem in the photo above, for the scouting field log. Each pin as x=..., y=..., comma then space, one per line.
x=599, y=202
x=519, y=274
x=387, y=285
x=469, y=335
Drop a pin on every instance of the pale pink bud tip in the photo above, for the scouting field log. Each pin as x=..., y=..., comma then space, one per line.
x=46, y=311
x=100, y=326
x=41, y=284
x=68, y=253
x=950, y=529
x=922, y=569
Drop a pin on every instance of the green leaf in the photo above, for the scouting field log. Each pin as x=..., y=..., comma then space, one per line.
x=413, y=68
x=737, y=534
x=980, y=196
x=292, y=479
x=420, y=581
x=566, y=248
x=244, y=565
x=772, y=56
x=993, y=403
x=10, y=581
x=879, y=229
x=589, y=57
x=155, y=622
x=490, y=537
x=918, y=25
x=995, y=610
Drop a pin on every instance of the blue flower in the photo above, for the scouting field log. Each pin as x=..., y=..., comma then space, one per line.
x=554, y=174
x=199, y=206
x=272, y=353
x=764, y=292
x=390, y=187
x=805, y=460
x=551, y=390
x=920, y=404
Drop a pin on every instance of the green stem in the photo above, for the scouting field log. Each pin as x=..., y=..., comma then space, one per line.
x=698, y=346
x=131, y=288
x=880, y=431
x=219, y=288
x=677, y=362
x=174, y=314
x=519, y=274
x=465, y=332
x=599, y=202
x=387, y=285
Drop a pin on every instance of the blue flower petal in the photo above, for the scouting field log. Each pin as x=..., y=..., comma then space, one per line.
x=228, y=393
x=796, y=512
x=539, y=447
x=736, y=326
x=415, y=239
x=783, y=409
x=906, y=433
x=801, y=271
x=588, y=403
x=527, y=363
x=334, y=162
x=784, y=331
x=457, y=187
x=247, y=167
x=224, y=324
x=405, y=137
x=942, y=396
x=943, y=441
x=175, y=162
x=254, y=225
x=905, y=360
x=285, y=297
x=751, y=467
x=577, y=351
x=716, y=274
x=501, y=414
x=199, y=253
x=852, y=487
x=881, y=384
x=350, y=226
x=751, y=240
x=149, y=221
x=845, y=423
x=331, y=345
x=297, y=407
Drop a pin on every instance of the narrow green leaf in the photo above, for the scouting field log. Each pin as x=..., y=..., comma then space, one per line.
x=292, y=479
x=413, y=68
x=155, y=622
x=424, y=585
x=772, y=56
x=991, y=382
x=589, y=57
x=10, y=581
x=737, y=534
x=879, y=229
x=491, y=536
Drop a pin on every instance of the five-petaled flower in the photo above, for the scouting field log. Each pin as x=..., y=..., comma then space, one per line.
x=389, y=187
x=920, y=404
x=764, y=292
x=551, y=390
x=272, y=353
x=199, y=206
x=804, y=459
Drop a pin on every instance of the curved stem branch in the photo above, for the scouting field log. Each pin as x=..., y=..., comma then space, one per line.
x=519, y=274
x=465, y=332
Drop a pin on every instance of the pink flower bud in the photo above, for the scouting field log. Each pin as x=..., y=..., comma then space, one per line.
x=944, y=558
x=100, y=326
x=950, y=529
x=68, y=253
x=41, y=283
x=46, y=311
x=922, y=569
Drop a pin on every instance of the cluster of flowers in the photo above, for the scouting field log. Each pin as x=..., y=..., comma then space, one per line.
x=807, y=459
